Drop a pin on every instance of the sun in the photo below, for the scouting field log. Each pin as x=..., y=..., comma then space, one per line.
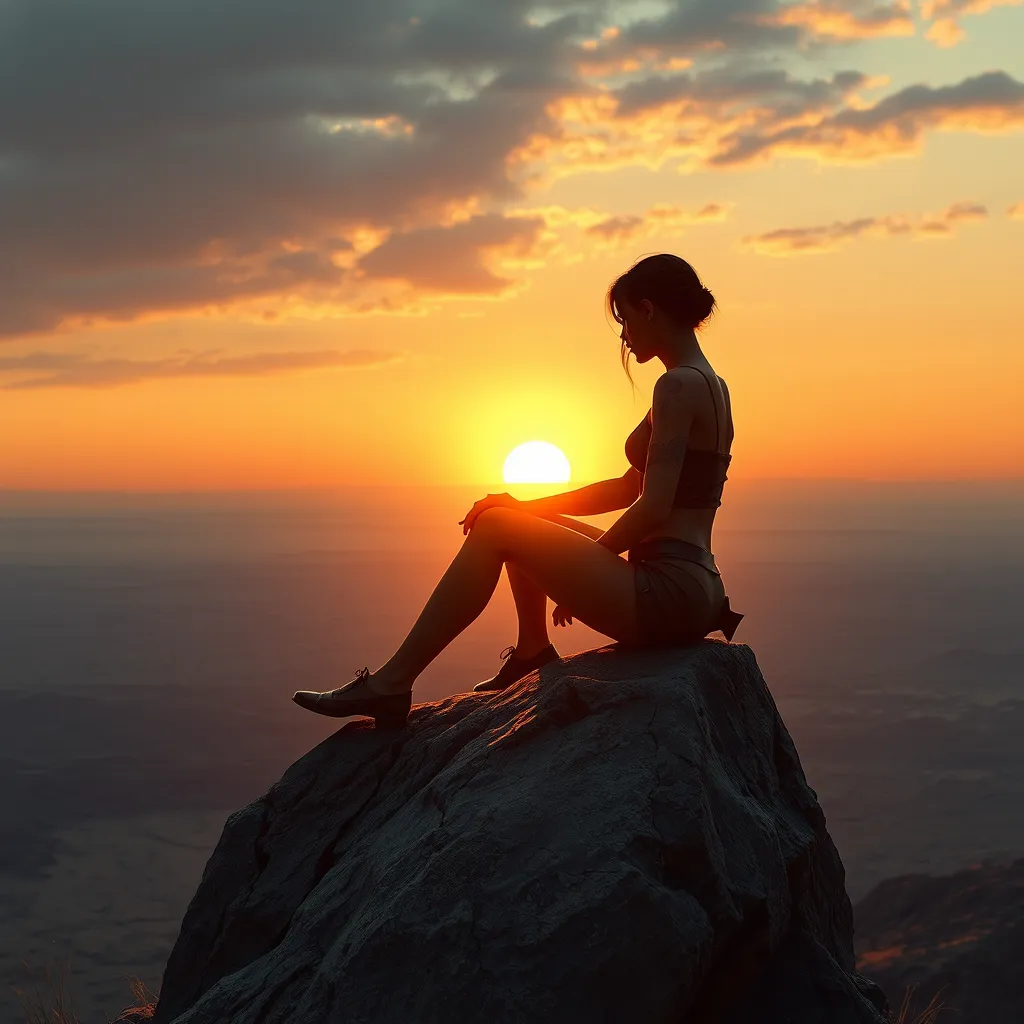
x=536, y=462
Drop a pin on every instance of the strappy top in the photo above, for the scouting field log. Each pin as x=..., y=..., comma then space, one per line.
x=703, y=473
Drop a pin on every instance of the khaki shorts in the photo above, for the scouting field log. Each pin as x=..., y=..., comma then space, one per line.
x=679, y=591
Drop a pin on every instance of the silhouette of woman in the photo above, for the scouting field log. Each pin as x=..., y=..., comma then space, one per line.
x=668, y=591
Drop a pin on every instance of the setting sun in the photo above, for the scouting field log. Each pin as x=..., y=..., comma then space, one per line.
x=536, y=462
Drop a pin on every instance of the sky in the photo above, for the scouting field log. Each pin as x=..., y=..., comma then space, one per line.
x=254, y=244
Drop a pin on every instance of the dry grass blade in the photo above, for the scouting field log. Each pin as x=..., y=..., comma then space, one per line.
x=45, y=999
x=53, y=1004
x=929, y=1015
x=145, y=1002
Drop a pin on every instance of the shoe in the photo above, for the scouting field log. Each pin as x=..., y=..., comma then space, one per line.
x=388, y=710
x=515, y=668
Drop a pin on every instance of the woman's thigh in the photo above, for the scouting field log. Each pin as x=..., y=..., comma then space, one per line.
x=587, y=529
x=596, y=585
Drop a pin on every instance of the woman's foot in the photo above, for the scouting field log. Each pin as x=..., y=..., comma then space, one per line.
x=515, y=668
x=389, y=710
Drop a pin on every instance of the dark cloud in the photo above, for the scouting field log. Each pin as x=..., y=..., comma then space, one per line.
x=135, y=136
x=690, y=27
x=725, y=87
x=693, y=27
x=63, y=369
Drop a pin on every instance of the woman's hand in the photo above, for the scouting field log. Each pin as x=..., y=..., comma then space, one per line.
x=561, y=616
x=503, y=500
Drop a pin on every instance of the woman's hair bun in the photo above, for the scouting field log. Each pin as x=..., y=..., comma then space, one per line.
x=704, y=305
x=670, y=283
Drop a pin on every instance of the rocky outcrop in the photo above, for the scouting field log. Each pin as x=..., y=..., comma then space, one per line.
x=625, y=836
x=958, y=938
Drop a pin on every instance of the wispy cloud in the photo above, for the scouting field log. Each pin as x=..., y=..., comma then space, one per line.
x=991, y=102
x=606, y=232
x=843, y=21
x=821, y=238
x=655, y=220
x=63, y=369
x=945, y=16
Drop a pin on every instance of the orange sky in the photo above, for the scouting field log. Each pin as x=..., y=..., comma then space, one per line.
x=865, y=250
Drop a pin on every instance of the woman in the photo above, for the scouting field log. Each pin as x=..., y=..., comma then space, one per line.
x=669, y=591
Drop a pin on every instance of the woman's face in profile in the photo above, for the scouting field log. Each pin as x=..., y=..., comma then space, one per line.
x=635, y=329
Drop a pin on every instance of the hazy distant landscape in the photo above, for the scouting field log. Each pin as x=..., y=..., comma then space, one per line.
x=150, y=646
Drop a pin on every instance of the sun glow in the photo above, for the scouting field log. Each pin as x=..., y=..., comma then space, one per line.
x=536, y=462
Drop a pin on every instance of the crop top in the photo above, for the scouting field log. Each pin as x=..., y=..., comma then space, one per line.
x=703, y=473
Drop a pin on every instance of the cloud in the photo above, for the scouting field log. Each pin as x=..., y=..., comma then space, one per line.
x=957, y=213
x=453, y=259
x=945, y=16
x=692, y=117
x=1016, y=211
x=61, y=369
x=689, y=29
x=722, y=90
x=733, y=115
x=605, y=232
x=655, y=220
x=839, y=21
x=164, y=158
x=990, y=102
x=160, y=156
x=829, y=237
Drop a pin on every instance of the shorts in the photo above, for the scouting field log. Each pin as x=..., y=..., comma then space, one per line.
x=680, y=596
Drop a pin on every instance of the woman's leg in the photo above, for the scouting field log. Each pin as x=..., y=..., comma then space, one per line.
x=585, y=577
x=531, y=611
x=531, y=602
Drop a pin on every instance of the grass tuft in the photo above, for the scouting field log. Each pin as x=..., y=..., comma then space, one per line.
x=929, y=1015
x=46, y=999
x=53, y=1004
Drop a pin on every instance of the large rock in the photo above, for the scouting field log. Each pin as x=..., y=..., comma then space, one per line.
x=626, y=836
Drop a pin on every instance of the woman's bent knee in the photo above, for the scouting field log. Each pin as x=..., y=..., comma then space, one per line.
x=495, y=519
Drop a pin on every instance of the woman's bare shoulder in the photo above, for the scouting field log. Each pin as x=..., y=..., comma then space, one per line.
x=682, y=379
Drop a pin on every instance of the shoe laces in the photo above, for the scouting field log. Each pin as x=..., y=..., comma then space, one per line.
x=507, y=653
x=361, y=676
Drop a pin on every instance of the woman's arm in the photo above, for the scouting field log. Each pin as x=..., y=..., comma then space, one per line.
x=637, y=522
x=591, y=500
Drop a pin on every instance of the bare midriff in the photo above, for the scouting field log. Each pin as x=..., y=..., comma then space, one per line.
x=689, y=524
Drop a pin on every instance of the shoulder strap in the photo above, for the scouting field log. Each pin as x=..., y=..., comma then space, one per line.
x=714, y=403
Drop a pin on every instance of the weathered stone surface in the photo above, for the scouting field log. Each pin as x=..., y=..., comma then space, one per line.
x=626, y=835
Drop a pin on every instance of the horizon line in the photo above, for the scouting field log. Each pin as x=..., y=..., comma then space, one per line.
x=568, y=485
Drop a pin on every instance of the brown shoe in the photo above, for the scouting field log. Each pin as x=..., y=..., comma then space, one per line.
x=515, y=668
x=388, y=710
